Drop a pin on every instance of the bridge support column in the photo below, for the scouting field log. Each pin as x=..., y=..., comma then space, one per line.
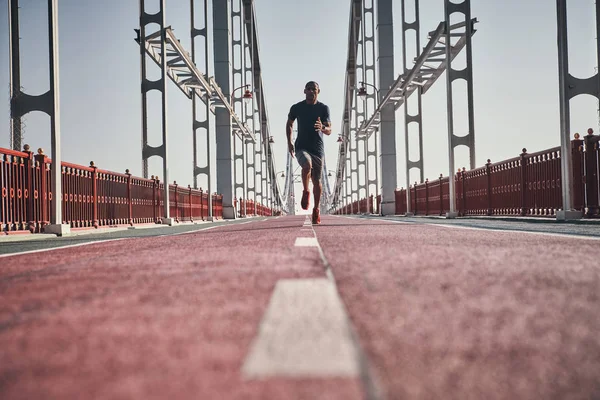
x=569, y=87
x=223, y=132
x=408, y=118
x=452, y=75
x=201, y=122
x=49, y=103
x=385, y=34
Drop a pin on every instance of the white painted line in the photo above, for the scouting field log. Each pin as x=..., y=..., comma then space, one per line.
x=185, y=233
x=304, y=333
x=561, y=235
x=60, y=247
x=103, y=241
x=306, y=242
x=482, y=228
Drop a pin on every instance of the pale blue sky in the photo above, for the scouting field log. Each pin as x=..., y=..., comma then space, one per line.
x=515, y=74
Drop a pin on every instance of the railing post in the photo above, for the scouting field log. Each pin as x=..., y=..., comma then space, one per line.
x=488, y=174
x=40, y=159
x=201, y=204
x=176, y=202
x=129, y=200
x=459, y=193
x=155, y=200
x=464, y=182
x=524, y=159
x=190, y=202
x=441, y=196
x=591, y=174
x=95, y=222
x=578, y=172
x=427, y=196
x=414, y=196
x=28, y=190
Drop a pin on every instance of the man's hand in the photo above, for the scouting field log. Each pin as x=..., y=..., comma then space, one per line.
x=319, y=124
x=291, y=148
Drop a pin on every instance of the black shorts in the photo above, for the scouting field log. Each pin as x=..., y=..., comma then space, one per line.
x=304, y=157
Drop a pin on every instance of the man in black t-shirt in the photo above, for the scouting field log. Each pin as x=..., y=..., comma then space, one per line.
x=313, y=121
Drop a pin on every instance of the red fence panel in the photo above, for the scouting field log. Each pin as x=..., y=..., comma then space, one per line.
x=434, y=196
x=14, y=195
x=78, y=195
x=592, y=177
x=419, y=198
x=506, y=187
x=400, y=199
x=476, y=196
x=112, y=198
x=143, y=200
x=543, y=195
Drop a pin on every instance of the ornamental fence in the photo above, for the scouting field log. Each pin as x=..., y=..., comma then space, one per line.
x=527, y=185
x=92, y=197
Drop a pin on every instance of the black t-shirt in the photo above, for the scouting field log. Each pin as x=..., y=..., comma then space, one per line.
x=309, y=139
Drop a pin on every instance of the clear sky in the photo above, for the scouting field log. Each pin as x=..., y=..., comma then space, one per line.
x=515, y=75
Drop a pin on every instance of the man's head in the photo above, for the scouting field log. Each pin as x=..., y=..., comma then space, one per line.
x=311, y=90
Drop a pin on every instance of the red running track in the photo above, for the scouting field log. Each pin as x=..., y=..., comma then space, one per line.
x=440, y=313
x=153, y=318
x=449, y=313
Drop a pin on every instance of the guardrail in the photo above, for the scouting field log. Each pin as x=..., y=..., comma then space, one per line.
x=91, y=197
x=250, y=207
x=527, y=185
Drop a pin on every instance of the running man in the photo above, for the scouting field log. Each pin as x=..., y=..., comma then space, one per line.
x=313, y=121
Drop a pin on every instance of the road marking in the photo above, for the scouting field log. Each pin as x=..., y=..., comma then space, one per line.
x=306, y=242
x=483, y=228
x=560, y=235
x=61, y=247
x=92, y=241
x=304, y=333
x=187, y=232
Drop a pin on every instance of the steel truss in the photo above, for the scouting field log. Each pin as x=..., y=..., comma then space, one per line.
x=367, y=69
x=338, y=197
x=197, y=121
x=445, y=43
x=418, y=117
x=215, y=93
x=429, y=66
x=183, y=72
x=239, y=46
x=271, y=191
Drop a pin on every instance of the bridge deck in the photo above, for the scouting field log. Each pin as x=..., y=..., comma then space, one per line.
x=276, y=309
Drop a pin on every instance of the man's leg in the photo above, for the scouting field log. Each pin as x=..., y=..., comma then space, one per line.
x=305, y=176
x=305, y=162
x=317, y=188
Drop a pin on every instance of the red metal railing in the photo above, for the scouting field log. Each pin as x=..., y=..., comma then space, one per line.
x=250, y=207
x=91, y=197
x=529, y=184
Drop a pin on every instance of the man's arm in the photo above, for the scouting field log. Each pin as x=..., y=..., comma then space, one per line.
x=326, y=122
x=288, y=129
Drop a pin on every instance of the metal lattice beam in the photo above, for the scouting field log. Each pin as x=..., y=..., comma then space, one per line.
x=267, y=147
x=185, y=75
x=429, y=66
x=356, y=11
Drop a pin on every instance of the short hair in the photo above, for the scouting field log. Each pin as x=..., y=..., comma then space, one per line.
x=312, y=83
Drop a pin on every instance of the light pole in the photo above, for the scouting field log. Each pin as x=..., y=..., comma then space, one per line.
x=362, y=91
x=246, y=97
